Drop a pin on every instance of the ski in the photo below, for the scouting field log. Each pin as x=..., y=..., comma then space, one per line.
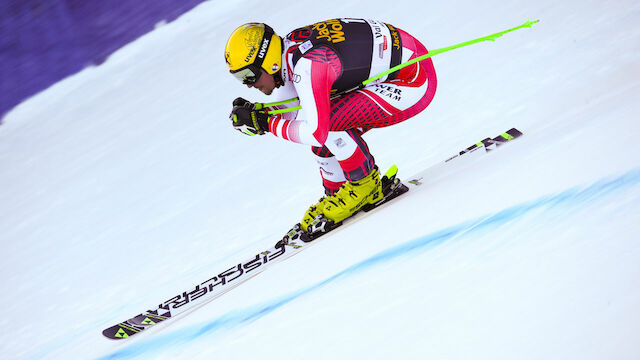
x=293, y=242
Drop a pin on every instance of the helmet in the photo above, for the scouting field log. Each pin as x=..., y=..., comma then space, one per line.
x=251, y=47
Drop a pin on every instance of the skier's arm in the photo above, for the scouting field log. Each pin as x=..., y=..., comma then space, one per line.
x=314, y=74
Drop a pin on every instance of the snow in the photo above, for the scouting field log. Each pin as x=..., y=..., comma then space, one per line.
x=125, y=184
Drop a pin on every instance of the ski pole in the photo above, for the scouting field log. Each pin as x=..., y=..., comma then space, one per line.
x=285, y=110
x=280, y=111
x=432, y=53
x=435, y=52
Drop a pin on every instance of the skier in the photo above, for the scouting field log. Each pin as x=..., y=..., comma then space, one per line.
x=323, y=66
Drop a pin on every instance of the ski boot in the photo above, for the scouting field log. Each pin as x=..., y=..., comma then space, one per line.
x=299, y=229
x=391, y=187
x=312, y=212
x=380, y=191
x=352, y=196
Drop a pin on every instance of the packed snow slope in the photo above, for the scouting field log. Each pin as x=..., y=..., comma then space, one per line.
x=125, y=184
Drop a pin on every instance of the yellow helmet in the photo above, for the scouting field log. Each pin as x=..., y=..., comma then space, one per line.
x=250, y=47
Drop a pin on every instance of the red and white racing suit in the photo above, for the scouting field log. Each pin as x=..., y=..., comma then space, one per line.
x=322, y=64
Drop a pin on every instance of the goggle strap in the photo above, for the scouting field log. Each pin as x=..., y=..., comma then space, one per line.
x=264, y=45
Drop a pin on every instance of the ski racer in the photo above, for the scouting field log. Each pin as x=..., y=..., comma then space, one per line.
x=321, y=66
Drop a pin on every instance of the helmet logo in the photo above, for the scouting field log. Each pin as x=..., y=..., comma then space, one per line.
x=275, y=67
x=251, y=41
x=263, y=49
x=252, y=51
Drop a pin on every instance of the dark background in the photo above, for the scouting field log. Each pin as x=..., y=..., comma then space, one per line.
x=43, y=41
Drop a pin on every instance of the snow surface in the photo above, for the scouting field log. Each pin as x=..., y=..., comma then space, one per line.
x=125, y=184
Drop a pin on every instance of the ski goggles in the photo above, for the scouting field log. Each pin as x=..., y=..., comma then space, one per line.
x=248, y=75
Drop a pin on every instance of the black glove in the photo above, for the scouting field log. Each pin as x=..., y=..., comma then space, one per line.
x=249, y=118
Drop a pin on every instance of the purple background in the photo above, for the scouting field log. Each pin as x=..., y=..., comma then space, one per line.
x=43, y=41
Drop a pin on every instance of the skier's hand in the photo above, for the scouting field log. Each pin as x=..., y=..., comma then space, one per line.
x=240, y=102
x=248, y=117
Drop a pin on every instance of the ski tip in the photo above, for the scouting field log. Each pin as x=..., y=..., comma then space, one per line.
x=120, y=331
x=512, y=133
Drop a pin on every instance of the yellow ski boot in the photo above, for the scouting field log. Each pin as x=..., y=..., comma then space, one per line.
x=312, y=212
x=352, y=196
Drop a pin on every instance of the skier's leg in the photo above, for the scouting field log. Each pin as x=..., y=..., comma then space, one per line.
x=344, y=157
x=351, y=152
x=332, y=179
x=330, y=170
x=385, y=104
x=363, y=186
x=377, y=105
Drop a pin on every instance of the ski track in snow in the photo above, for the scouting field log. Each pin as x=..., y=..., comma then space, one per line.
x=577, y=198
